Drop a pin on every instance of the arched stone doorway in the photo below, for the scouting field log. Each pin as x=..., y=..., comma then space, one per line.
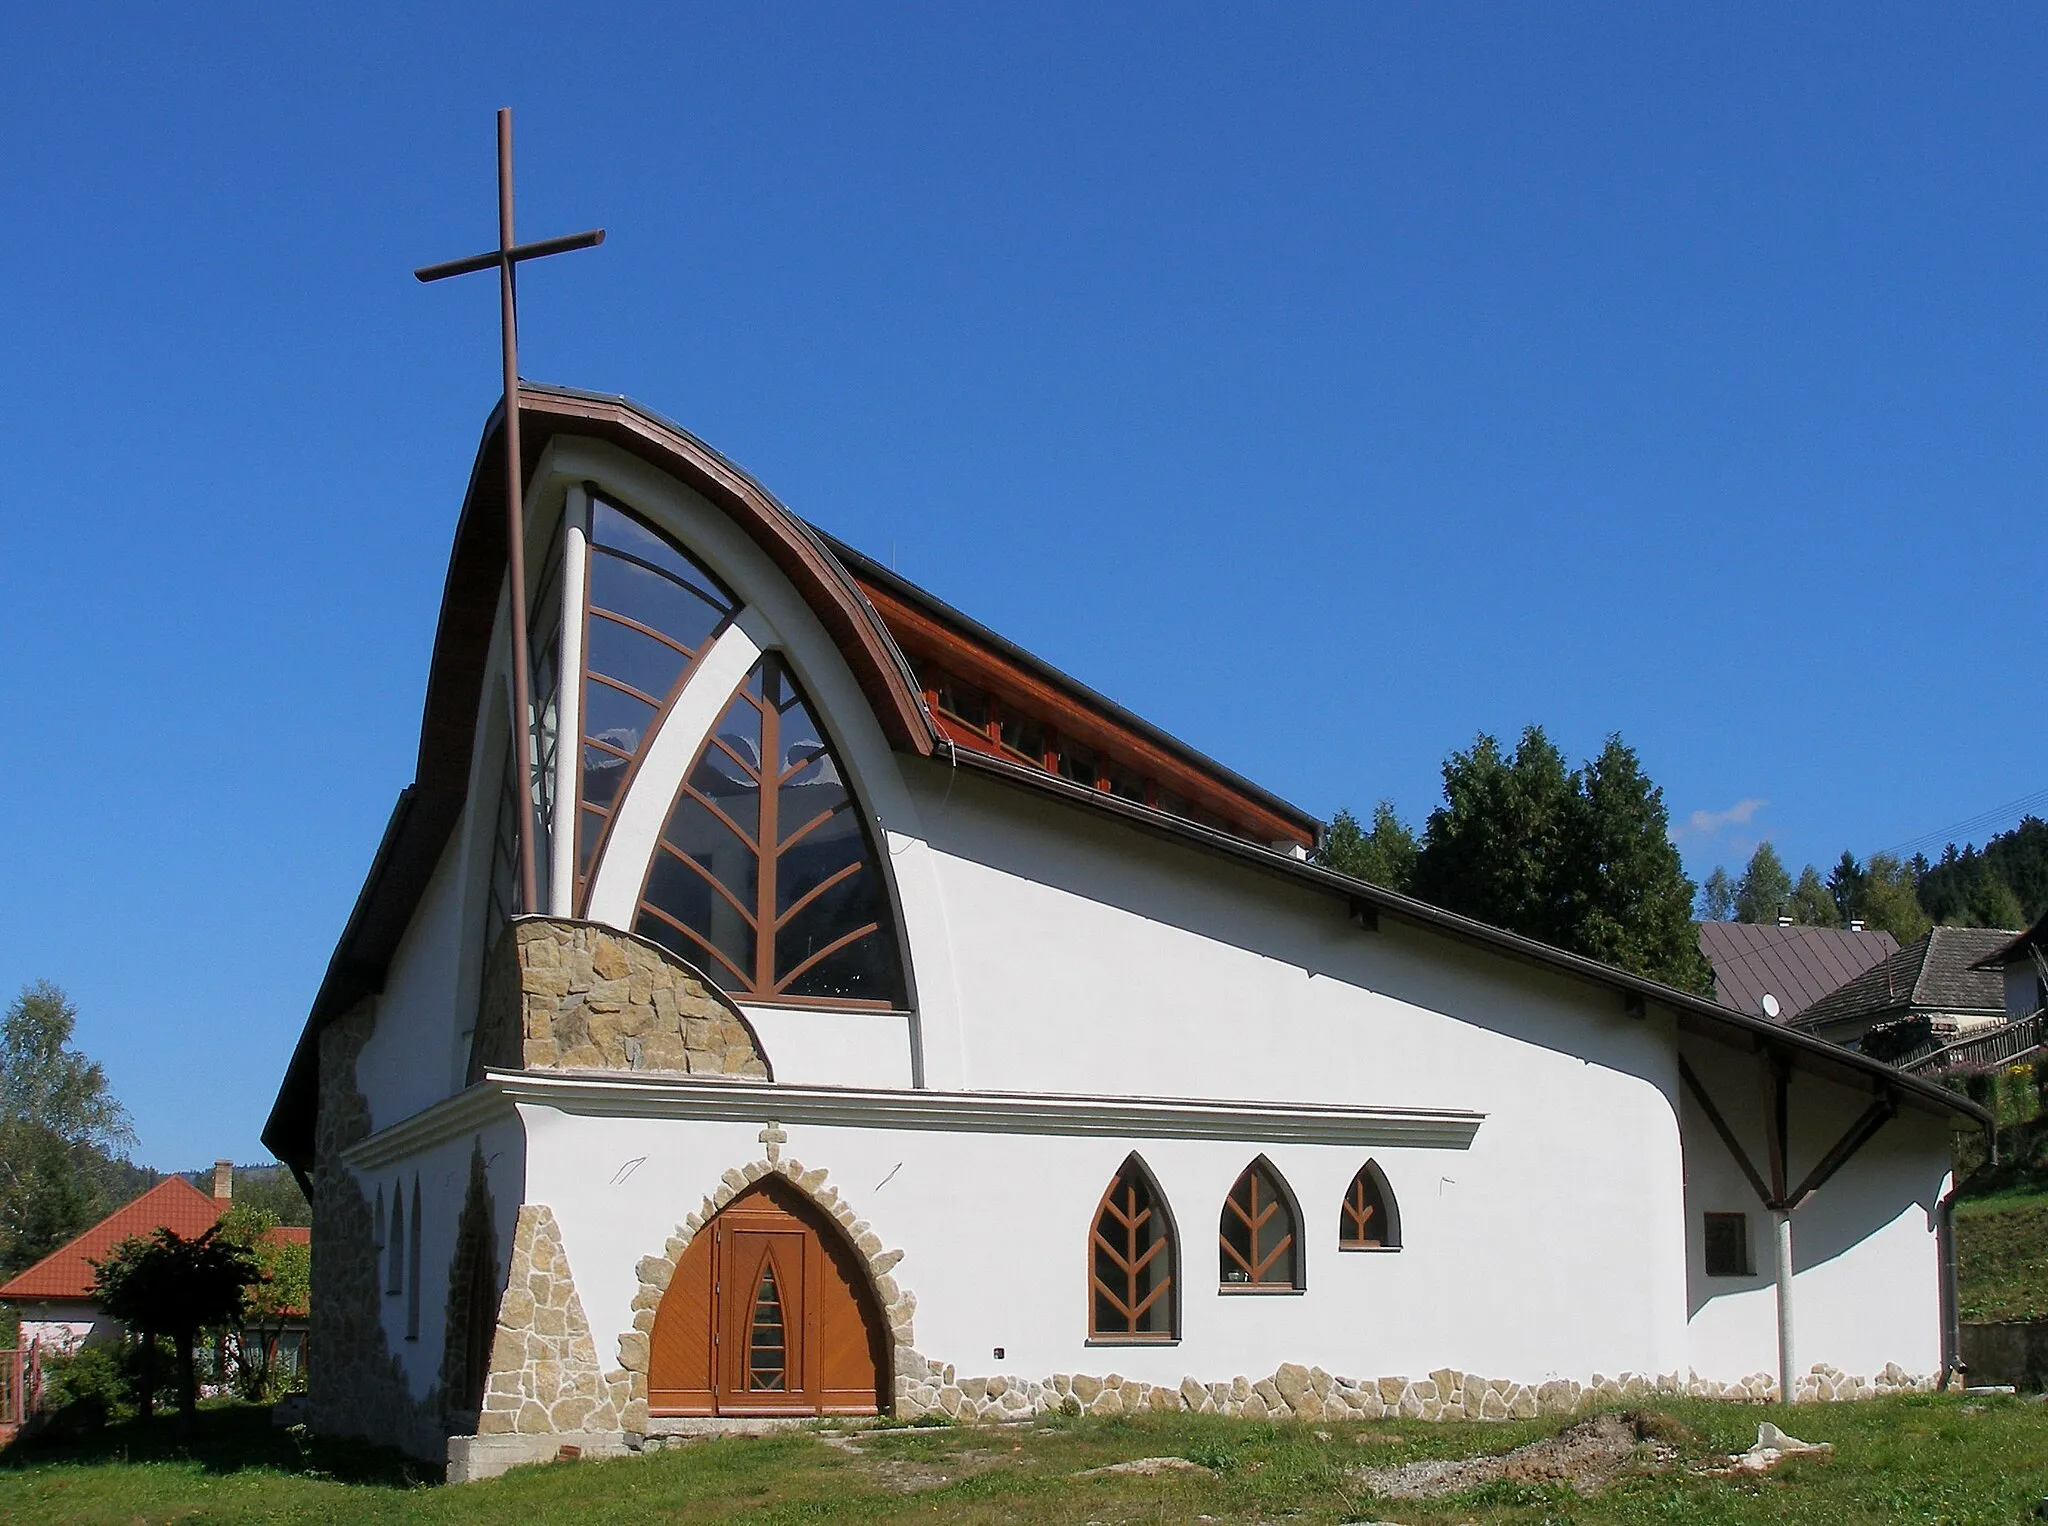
x=769, y=1313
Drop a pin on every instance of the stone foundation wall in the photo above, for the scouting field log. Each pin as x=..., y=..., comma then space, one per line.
x=356, y=1385
x=545, y=1379
x=1309, y=1393
x=562, y=995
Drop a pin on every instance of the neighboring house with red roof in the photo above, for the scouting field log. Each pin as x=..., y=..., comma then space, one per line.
x=55, y=1298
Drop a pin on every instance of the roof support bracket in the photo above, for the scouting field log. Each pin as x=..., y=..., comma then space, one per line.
x=1699, y=1092
x=1365, y=915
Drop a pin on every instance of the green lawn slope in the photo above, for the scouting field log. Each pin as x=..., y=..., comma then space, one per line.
x=1927, y=1457
x=2002, y=1257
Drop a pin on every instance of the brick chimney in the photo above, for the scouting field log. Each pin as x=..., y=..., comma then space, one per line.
x=223, y=1181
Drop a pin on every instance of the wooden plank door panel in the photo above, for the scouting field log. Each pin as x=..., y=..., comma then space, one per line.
x=764, y=1340
x=679, y=1368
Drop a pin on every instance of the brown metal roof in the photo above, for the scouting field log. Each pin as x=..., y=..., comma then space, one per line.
x=1936, y=974
x=1797, y=965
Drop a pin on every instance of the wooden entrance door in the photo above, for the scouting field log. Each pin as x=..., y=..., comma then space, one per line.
x=768, y=1313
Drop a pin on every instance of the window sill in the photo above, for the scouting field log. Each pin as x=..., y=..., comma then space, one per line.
x=1255, y=1290
x=1369, y=1250
x=1132, y=1340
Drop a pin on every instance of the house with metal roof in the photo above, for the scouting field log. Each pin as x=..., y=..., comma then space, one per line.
x=1937, y=984
x=1779, y=970
x=776, y=994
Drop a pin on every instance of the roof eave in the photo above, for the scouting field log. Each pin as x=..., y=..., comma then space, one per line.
x=1699, y=1014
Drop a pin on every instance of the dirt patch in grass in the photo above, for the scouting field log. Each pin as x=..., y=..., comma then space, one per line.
x=1583, y=1457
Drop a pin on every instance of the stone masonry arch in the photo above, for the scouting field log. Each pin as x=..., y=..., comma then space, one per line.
x=898, y=1304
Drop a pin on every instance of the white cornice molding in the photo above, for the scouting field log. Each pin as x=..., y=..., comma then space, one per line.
x=607, y=1094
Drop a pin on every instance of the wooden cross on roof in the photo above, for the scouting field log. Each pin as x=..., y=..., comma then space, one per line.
x=505, y=259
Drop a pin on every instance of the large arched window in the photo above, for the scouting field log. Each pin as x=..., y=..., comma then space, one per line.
x=1132, y=1258
x=1370, y=1219
x=652, y=610
x=1259, y=1239
x=765, y=874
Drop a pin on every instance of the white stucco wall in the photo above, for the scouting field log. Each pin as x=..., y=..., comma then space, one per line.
x=442, y=1171
x=1865, y=1268
x=1052, y=949
x=995, y=1234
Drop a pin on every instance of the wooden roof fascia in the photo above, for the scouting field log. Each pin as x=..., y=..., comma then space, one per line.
x=1118, y=722
x=1698, y=1015
x=1070, y=716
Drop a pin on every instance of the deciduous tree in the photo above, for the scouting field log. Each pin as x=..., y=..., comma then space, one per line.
x=62, y=1133
x=1810, y=904
x=1717, y=897
x=1764, y=888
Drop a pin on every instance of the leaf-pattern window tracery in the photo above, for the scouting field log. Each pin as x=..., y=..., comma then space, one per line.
x=765, y=873
x=1258, y=1244
x=652, y=610
x=1131, y=1261
x=1369, y=1220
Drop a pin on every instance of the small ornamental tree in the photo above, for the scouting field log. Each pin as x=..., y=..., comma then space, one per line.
x=168, y=1285
x=281, y=1293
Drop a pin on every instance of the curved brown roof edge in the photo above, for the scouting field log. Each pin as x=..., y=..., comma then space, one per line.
x=429, y=808
x=797, y=551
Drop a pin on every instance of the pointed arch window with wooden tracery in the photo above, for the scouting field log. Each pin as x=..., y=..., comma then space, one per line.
x=1369, y=1219
x=651, y=609
x=766, y=874
x=1259, y=1239
x=1132, y=1262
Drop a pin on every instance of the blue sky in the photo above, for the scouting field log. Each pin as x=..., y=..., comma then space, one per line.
x=1327, y=387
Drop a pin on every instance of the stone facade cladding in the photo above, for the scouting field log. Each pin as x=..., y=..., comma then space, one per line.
x=561, y=995
x=1309, y=1393
x=545, y=1378
x=357, y=1386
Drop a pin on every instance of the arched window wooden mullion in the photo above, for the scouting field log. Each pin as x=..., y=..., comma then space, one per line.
x=713, y=881
x=650, y=910
x=806, y=884
x=1369, y=1219
x=1132, y=1261
x=844, y=940
x=1258, y=1240
x=630, y=562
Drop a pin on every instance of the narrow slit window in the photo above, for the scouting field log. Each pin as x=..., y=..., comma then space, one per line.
x=394, y=1245
x=651, y=611
x=1370, y=1219
x=412, y=1270
x=767, y=1343
x=1131, y=1259
x=766, y=875
x=1258, y=1241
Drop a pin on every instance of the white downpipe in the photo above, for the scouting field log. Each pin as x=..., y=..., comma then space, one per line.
x=1787, y=1388
x=569, y=707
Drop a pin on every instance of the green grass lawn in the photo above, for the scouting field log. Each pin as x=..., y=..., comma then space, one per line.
x=1935, y=1459
x=2002, y=1256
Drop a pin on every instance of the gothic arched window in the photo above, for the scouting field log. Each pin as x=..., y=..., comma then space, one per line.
x=765, y=874
x=1259, y=1239
x=1370, y=1219
x=1132, y=1258
x=652, y=609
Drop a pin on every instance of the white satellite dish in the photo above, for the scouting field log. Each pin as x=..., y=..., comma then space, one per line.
x=1770, y=1006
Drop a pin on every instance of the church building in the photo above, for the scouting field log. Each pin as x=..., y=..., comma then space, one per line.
x=900, y=1026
